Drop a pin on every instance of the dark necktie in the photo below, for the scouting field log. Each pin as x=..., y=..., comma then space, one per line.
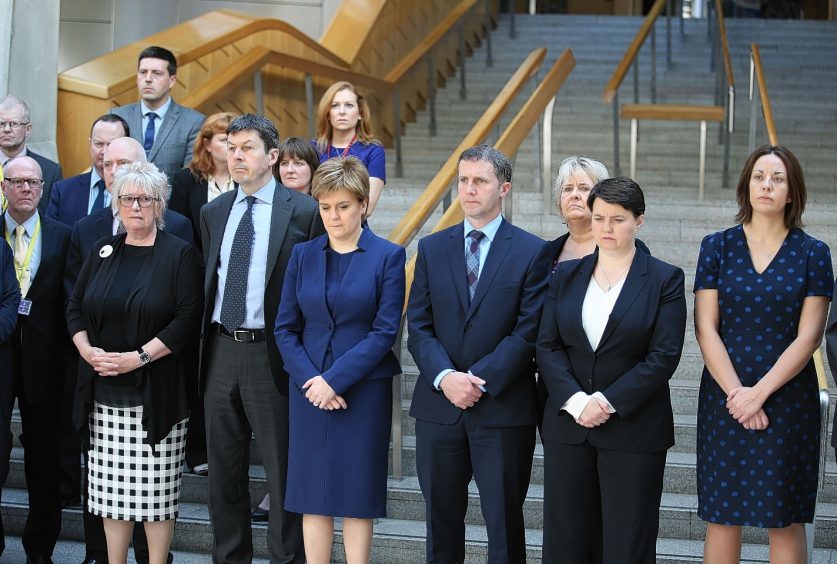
x=234, y=304
x=149, y=132
x=99, y=202
x=472, y=261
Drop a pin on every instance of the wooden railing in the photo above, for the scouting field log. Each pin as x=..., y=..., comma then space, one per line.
x=262, y=64
x=758, y=88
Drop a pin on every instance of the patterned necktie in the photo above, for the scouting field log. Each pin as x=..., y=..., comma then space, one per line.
x=233, y=306
x=20, y=258
x=472, y=261
x=99, y=202
x=149, y=132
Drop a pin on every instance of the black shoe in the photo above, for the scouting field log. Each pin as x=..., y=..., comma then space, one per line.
x=71, y=503
x=260, y=515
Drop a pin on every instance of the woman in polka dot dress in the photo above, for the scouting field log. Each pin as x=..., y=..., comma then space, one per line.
x=762, y=290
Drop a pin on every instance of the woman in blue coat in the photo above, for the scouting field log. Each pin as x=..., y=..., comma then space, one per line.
x=337, y=322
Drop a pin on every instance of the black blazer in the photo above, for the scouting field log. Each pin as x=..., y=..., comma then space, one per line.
x=188, y=196
x=88, y=230
x=493, y=336
x=637, y=355
x=831, y=351
x=295, y=218
x=9, y=300
x=165, y=303
x=39, y=369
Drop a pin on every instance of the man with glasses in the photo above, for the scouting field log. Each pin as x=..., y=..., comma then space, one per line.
x=15, y=128
x=39, y=246
x=85, y=233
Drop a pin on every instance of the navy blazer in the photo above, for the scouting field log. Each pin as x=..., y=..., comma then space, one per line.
x=637, y=354
x=493, y=336
x=364, y=324
x=69, y=199
x=99, y=224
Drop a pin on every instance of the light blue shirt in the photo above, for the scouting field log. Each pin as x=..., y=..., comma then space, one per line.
x=161, y=115
x=490, y=232
x=94, y=191
x=29, y=226
x=257, y=277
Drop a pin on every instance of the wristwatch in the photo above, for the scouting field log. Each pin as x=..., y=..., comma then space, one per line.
x=144, y=357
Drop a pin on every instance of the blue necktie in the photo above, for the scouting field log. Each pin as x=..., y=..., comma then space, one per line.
x=149, y=133
x=99, y=202
x=234, y=304
x=472, y=261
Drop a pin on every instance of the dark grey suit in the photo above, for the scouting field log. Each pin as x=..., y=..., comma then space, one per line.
x=51, y=171
x=175, y=139
x=245, y=388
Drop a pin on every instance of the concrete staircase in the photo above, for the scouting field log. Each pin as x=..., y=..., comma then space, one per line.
x=801, y=73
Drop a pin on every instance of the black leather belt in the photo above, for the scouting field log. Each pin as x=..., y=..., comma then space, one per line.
x=241, y=335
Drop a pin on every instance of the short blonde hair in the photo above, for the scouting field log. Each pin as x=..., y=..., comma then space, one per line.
x=341, y=173
x=148, y=178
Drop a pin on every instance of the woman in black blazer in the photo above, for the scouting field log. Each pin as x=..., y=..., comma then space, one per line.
x=611, y=335
x=134, y=315
x=207, y=176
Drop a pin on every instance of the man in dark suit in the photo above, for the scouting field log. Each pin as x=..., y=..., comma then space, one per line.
x=15, y=128
x=166, y=130
x=247, y=236
x=85, y=233
x=39, y=245
x=473, y=320
x=78, y=196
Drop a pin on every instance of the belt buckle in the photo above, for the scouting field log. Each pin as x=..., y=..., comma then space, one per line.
x=249, y=336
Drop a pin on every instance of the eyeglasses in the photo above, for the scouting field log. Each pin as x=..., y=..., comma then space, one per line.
x=13, y=124
x=17, y=183
x=143, y=201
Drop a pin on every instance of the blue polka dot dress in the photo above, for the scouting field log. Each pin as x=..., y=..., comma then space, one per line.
x=760, y=478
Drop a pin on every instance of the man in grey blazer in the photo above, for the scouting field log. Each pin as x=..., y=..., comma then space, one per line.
x=166, y=129
x=15, y=127
x=247, y=236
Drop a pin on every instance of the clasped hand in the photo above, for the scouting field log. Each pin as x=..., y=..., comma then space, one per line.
x=745, y=406
x=594, y=414
x=321, y=395
x=462, y=389
x=112, y=363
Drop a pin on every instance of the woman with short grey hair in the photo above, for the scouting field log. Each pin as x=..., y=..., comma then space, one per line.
x=134, y=315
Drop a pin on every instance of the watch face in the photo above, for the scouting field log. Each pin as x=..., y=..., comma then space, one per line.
x=144, y=357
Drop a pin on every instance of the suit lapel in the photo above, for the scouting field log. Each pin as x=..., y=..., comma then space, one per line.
x=357, y=266
x=135, y=122
x=280, y=218
x=166, y=127
x=634, y=283
x=217, y=225
x=48, y=252
x=496, y=254
x=83, y=195
x=456, y=259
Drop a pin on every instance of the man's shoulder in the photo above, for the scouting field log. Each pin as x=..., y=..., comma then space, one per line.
x=55, y=227
x=40, y=159
x=126, y=110
x=89, y=221
x=71, y=182
x=188, y=113
x=299, y=199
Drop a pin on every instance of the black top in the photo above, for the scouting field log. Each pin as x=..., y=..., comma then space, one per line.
x=164, y=302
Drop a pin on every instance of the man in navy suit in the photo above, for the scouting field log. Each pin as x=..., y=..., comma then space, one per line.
x=473, y=319
x=78, y=196
x=15, y=128
x=38, y=344
x=86, y=231
x=166, y=130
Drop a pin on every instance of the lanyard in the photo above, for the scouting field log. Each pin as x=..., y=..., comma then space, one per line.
x=345, y=151
x=22, y=268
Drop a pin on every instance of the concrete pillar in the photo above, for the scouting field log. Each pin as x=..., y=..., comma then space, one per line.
x=29, y=63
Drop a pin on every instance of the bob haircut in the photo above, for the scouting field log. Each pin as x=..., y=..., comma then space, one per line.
x=201, y=164
x=363, y=130
x=149, y=179
x=341, y=173
x=296, y=148
x=796, y=186
x=621, y=191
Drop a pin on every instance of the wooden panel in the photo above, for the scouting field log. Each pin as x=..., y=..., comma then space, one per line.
x=672, y=112
x=76, y=113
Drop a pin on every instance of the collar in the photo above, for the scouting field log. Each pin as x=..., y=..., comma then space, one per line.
x=489, y=230
x=265, y=193
x=29, y=224
x=4, y=157
x=94, y=177
x=161, y=111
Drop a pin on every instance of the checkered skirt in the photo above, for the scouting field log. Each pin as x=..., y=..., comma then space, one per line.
x=125, y=480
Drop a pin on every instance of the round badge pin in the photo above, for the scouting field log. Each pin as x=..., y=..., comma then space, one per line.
x=106, y=251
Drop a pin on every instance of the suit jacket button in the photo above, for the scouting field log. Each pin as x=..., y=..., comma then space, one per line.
x=590, y=381
x=467, y=326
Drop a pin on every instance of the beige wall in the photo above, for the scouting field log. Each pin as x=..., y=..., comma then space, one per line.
x=90, y=28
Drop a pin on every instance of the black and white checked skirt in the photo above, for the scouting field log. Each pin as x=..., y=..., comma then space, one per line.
x=125, y=480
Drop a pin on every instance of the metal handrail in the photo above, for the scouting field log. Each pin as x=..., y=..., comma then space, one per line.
x=758, y=85
x=822, y=384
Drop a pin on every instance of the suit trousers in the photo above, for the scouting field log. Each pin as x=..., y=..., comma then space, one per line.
x=241, y=400
x=500, y=461
x=601, y=505
x=40, y=465
x=69, y=445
